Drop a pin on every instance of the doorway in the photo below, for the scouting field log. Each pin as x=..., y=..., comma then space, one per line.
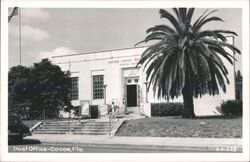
x=132, y=95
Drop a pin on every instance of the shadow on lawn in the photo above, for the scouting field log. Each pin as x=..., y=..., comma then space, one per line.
x=24, y=142
x=206, y=117
x=219, y=117
x=199, y=117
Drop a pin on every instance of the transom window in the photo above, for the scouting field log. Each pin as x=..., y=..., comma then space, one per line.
x=98, y=87
x=74, y=88
x=132, y=80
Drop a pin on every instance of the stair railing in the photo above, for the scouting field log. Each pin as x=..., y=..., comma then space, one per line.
x=37, y=116
x=113, y=115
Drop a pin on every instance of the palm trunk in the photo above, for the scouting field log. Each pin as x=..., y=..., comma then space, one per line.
x=187, y=93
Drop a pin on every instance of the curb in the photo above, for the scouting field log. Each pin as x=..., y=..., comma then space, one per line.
x=149, y=147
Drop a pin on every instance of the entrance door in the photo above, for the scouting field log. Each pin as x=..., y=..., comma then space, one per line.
x=132, y=95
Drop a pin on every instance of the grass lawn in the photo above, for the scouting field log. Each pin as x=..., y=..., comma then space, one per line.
x=206, y=127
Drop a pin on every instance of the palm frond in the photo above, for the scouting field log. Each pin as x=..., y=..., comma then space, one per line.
x=223, y=70
x=185, y=55
x=220, y=79
x=163, y=28
x=151, y=51
x=155, y=36
x=221, y=37
x=206, y=21
x=190, y=14
x=139, y=43
x=183, y=13
x=206, y=33
x=176, y=12
x=216, y=59
x=198, y=20
x=193, y=62
x=181, y=58
x=171, y=18
x=201, y=19
x=204, y=64
x=223, y=44
x=226, y=32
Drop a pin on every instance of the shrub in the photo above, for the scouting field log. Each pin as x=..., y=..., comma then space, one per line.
x=94, y=111
x=232, y=107
x=167, y=109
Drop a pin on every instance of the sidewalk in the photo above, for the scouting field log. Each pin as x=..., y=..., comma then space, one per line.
x=199, y=144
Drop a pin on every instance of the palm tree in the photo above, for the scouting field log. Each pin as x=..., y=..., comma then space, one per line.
x=186, y=60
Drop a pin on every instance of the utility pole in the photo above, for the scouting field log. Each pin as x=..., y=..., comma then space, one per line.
x=234, y=71
x=69, y=118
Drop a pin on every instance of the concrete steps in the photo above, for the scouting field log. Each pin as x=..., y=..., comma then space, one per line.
x=94, y=128
x=90, y=133
x=86, y=128
x=49, y=132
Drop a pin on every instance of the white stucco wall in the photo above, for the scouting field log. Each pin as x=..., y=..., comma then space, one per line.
x=116, y=65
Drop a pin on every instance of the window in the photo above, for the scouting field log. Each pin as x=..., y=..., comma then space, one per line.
x=129, y=80
x=136, y=80
x=98, y=87
x=74, y=88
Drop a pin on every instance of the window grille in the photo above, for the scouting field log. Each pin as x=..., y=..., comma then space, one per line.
x=74, y=88
x=98, y=87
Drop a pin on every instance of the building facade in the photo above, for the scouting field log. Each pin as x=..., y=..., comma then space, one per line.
x=98, y=78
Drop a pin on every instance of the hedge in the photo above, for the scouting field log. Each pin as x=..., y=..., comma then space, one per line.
x=232, y=107
x=167, y=109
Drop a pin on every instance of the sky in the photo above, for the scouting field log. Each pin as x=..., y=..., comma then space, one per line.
x=47, y=32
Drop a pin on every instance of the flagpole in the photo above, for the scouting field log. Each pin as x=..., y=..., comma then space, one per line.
x=20, y=34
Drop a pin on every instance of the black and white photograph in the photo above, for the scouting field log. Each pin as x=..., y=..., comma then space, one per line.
x=125, y=81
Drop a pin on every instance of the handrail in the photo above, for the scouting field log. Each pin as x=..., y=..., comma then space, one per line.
x=37, y=116
x=35, y=126
x=40, y=117
x=34, y=117
x=112, y=117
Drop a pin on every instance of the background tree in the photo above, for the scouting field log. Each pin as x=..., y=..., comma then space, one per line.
x=19, y=87
x=186, y=60
x=46, y=88
x=238, y=77
x=51, y=89
x=238, y=84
